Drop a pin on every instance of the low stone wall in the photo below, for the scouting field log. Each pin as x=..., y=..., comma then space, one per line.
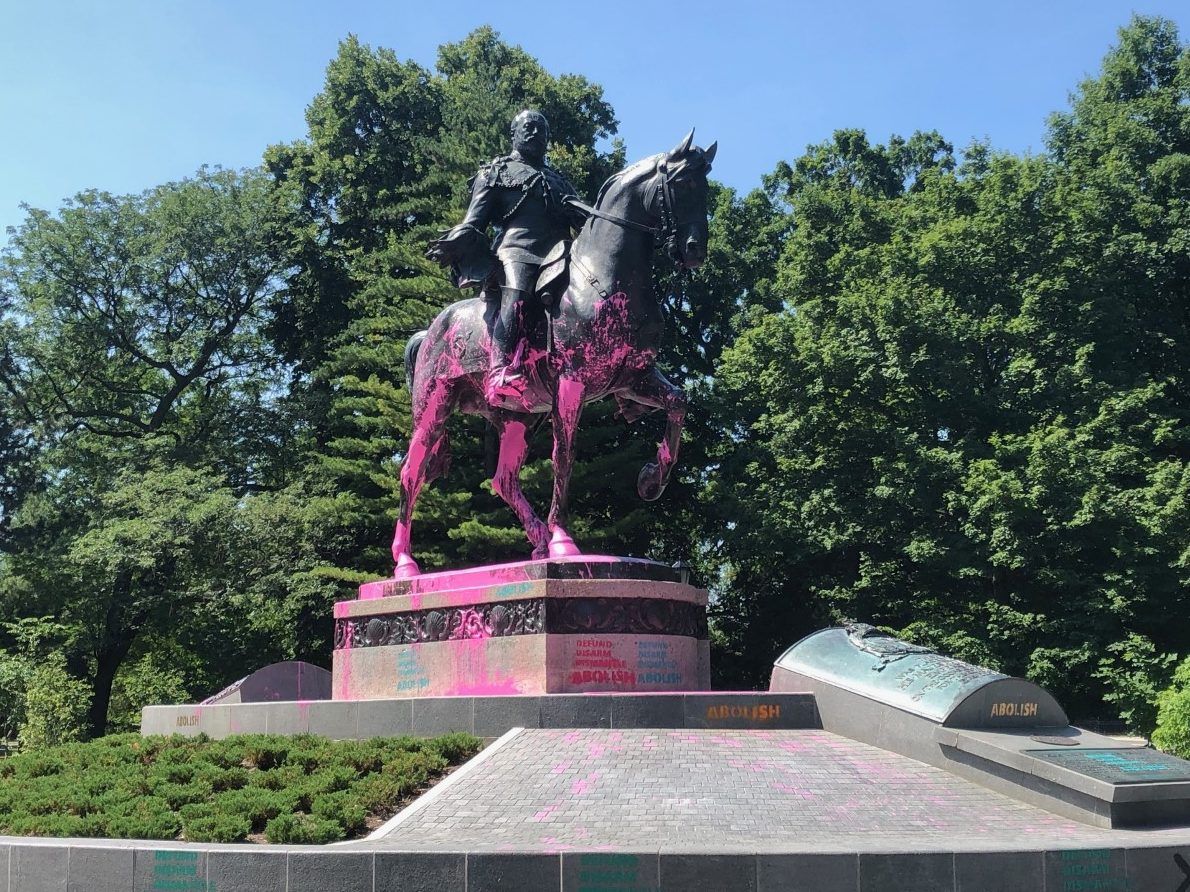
x=33, y=865
x=486, y=716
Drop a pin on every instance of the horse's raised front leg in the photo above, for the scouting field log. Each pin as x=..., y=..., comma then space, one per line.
x=428, y=458
x=568, y=407
x=657, y=392
x=514, y=446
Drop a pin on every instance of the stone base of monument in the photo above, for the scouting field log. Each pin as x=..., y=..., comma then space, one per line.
x=571, y=625
x=1003, y=733
x=822, y=789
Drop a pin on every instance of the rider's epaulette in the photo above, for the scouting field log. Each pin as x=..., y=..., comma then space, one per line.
x=509, y=172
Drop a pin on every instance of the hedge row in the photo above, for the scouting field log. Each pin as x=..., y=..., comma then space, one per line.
x=300, y=789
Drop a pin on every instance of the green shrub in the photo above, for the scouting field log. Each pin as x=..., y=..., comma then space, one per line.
x=1173, y=714
x=215, y=827
x=223, y=779
x=216, y=791
x=175, y=774
x=331, y=780
x=256, y=805
x=279, y=778
x=302, y=830
x=453, y=747
x=266, y=751
x=343, y=808
x=39, y=764
x=50, y=825
x=400, y=778
x=147, y=819
x=178, y=795
x=56, y=705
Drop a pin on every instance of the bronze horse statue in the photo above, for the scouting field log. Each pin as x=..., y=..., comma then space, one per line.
x=599, y=339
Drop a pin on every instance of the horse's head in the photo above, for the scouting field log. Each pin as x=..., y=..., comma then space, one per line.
x=681, y=201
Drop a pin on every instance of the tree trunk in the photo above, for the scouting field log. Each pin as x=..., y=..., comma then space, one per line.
x=118, y=634
x=107, y=664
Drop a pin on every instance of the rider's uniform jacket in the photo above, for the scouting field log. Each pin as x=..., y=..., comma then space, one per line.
x=525, y=203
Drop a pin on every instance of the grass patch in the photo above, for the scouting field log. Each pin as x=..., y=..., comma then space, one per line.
x=255, y=787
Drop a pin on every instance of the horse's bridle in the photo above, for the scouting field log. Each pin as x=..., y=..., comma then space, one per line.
x=665, y=232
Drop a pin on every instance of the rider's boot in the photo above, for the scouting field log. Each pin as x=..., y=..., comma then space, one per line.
x=504, y=383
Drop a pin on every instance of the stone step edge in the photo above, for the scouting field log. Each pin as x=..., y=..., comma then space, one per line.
x=490, y=716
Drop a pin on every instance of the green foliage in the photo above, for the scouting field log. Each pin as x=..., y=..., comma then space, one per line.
x=342, y=808
x=292, y=789
x=1134, y=673
x=302, y=829
x=451, y=748
x=56, y=705
x=135, y=329
x=41, y=703
x=1173, y=714
x=13, y=671
x=154, y=678
x=215, y=827
x=968, y=418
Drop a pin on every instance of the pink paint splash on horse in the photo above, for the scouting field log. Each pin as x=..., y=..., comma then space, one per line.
x=606, y=329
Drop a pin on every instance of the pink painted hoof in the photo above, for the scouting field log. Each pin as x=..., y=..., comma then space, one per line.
x=406, y=567
x=561, y=545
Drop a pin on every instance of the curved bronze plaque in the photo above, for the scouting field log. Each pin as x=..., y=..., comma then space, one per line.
x=864, y=661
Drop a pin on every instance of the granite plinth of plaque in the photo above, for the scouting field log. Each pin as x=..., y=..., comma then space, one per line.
x=565, y=625
x=1002, y=732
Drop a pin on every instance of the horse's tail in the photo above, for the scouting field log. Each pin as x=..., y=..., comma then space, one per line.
x=411, y=351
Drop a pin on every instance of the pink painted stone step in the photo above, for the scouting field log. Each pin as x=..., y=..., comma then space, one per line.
x=585, y=566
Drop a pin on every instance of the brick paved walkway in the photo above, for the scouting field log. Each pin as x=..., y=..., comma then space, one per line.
x=615, y=790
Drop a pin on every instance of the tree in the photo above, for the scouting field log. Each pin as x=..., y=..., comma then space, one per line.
x=968, y=423
x=1172, y=733
x=138, y=364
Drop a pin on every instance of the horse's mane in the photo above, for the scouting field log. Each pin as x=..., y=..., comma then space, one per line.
x=633, y=170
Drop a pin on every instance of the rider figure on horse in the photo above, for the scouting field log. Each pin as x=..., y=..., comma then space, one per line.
x=525, y=200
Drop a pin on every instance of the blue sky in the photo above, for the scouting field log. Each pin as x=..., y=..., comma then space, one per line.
x=127, y=94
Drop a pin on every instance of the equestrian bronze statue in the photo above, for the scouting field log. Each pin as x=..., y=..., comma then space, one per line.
x=521, y=348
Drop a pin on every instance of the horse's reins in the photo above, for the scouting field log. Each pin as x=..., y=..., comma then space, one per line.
x=665, y=232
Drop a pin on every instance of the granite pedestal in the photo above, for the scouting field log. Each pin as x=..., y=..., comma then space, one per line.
x=571, y=625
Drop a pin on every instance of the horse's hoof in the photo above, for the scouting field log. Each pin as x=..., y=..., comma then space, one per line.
x=561, y=545
x=649, y=485
x=406, y=567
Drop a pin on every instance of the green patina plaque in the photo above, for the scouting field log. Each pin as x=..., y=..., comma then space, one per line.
x=865, y=661
x=1122, y=766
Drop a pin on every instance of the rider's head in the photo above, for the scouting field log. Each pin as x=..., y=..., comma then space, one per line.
x=530, y=135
